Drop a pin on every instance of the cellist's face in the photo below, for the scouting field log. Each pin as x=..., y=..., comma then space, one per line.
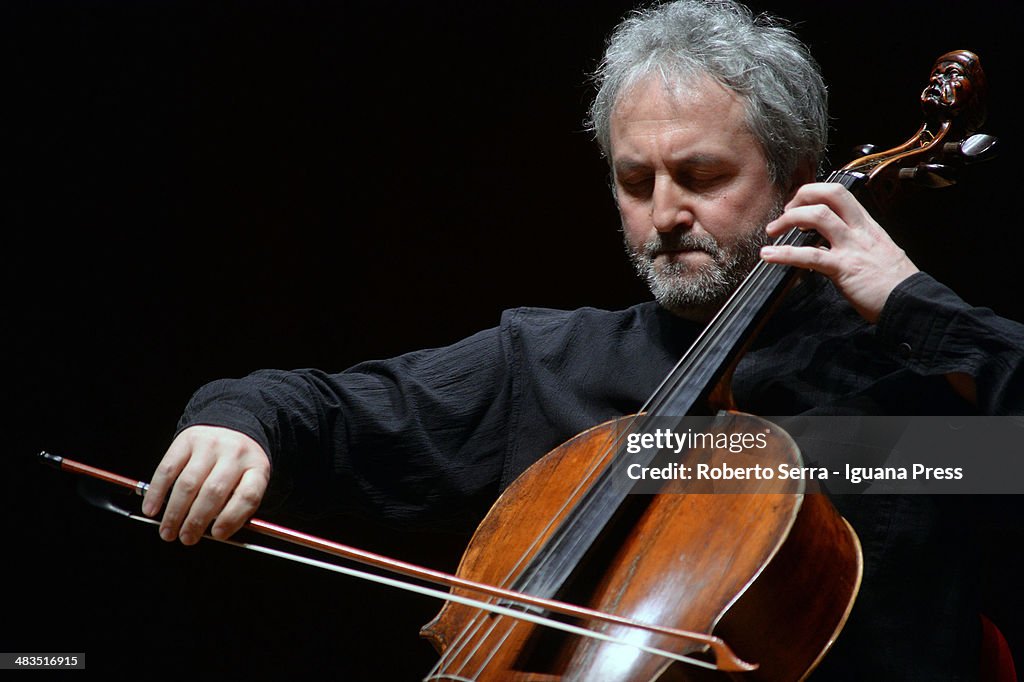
x=693, y=191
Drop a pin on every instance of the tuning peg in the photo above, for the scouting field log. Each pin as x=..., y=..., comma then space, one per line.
x=974, y=149
x=863, y=150
x=930, y=175
x=980, y=147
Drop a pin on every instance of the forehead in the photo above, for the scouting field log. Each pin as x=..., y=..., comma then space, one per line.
x=656, y=115
x=954, y=65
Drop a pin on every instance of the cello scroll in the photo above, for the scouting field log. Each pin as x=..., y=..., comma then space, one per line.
x=953, y=104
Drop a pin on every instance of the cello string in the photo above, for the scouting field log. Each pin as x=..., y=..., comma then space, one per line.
x=480, y=639
x=461, y=640
x=494, y=649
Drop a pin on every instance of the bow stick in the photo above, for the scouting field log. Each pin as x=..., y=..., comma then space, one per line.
x=725, y=658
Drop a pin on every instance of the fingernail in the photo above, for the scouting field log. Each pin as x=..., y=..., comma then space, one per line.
x=767, y=251
x=166, y=534
x=147, y=508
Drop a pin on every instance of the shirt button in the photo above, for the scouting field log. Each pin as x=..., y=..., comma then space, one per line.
x=904, y=350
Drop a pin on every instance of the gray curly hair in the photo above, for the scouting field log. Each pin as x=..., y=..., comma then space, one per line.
x=756, y=57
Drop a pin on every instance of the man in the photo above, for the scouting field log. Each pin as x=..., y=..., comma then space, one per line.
x=714, y=125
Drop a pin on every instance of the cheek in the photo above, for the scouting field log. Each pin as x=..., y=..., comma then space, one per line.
x=743, y=223
x=719, y=218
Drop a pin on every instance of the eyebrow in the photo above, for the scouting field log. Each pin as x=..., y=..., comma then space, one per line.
x=698, y=160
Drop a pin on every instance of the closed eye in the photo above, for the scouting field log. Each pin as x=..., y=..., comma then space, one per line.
x=636, y=186
x=704, y=182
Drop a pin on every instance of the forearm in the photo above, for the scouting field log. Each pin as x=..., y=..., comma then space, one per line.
x=418, y=438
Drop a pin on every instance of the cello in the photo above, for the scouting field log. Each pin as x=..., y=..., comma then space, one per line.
x=588, y=526
x=766, y=544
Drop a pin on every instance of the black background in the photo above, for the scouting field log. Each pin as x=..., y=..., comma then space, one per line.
x=198, y=190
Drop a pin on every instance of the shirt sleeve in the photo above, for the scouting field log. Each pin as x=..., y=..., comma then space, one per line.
x=933, y=331
x=419, y=439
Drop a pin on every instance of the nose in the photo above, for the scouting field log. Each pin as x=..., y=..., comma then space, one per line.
x=671, y=205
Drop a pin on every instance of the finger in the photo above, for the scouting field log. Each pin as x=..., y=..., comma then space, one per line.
x=242, y=505
x=174, y=460
x=835, y=197
x=807, y=257
x=209, y=501
x=185, y=489
x=817, y=217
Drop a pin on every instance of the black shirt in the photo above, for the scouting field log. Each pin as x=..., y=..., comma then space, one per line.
x=431, y=437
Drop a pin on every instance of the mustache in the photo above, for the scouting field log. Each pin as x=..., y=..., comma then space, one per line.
x=680, y=241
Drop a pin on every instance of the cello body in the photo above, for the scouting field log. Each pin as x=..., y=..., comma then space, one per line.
x=775, y=574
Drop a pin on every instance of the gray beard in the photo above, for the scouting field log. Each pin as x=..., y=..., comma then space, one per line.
x=680, y=288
